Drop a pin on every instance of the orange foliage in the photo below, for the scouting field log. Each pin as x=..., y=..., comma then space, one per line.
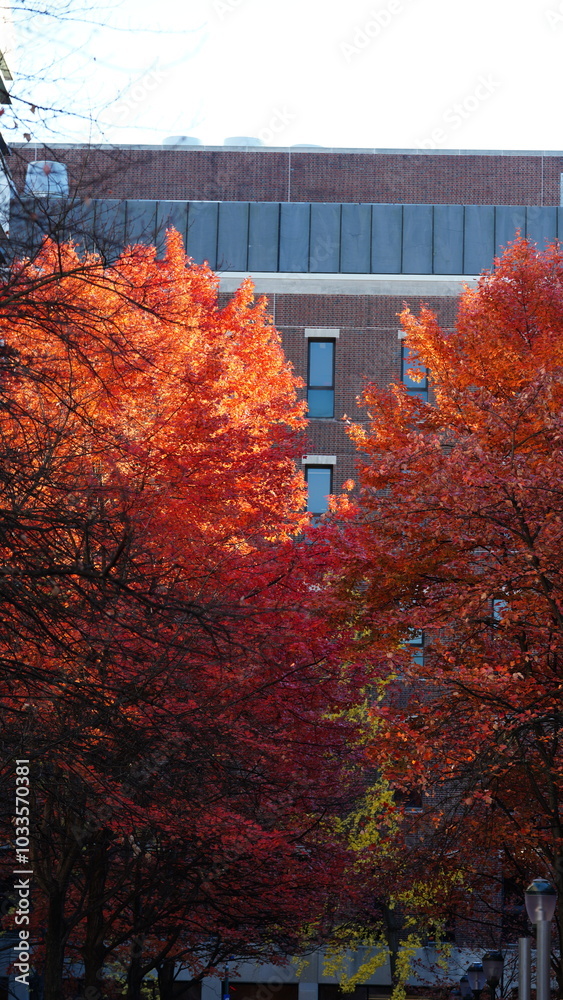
x=458, y=532
x=164, y=666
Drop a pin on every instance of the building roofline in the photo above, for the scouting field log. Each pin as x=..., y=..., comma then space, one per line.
x=110, y=147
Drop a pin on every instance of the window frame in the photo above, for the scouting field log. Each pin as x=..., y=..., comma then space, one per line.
x=416, y=643
x=419, y=389
x=317, y=467
x=329, y=387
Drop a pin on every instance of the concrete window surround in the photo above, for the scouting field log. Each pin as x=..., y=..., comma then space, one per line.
x=322, y=332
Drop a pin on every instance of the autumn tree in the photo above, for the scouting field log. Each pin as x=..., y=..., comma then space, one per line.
x=167, y=665
x=456, y=538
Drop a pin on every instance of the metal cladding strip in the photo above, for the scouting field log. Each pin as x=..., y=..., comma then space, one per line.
x=297, y=238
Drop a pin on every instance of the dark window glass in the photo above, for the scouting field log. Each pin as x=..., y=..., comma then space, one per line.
x=321, y=355
x=416, y=643
x=320, y=378
x=410, y=800
x=409, y=361
x=320, y=402
x=319, y=486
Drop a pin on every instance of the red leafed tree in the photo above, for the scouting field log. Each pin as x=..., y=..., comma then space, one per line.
x=165, y=667
x=458, y=536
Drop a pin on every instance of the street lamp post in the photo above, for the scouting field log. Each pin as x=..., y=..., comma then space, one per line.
x=524, y=968
x=476, y=977
x=493, y=965
x=541, y=898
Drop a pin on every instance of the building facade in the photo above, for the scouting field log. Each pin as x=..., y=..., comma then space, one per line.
x=338, y=241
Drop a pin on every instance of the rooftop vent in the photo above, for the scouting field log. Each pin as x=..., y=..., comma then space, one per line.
x=181, y=140
x=243, y=140
x=46, y=179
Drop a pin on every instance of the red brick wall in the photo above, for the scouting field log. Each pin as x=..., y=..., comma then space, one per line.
x=260, y=175
x=368, y=349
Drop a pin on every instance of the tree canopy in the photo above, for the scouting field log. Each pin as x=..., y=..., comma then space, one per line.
x=456, y=539
x=167, y=666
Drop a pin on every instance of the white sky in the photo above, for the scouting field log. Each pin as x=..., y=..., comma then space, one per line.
x=446, y=74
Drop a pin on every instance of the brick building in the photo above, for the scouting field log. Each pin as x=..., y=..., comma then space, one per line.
x=338, y=240
x=254, y=173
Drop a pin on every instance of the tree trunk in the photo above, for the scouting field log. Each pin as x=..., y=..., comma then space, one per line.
x=393, y=927
x=557, y=959
x=166, y=979
x=55, y=940
x=136, y=971
x=94, y=950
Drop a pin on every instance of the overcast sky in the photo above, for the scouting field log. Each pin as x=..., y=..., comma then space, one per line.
x=444, y=74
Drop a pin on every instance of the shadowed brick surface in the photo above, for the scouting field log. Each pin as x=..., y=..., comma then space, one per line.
x=289, y=175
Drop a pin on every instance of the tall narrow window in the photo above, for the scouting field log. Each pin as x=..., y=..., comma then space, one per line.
x=416, y=643
x=409, y=360
x=320, y=378
x=319, y=487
